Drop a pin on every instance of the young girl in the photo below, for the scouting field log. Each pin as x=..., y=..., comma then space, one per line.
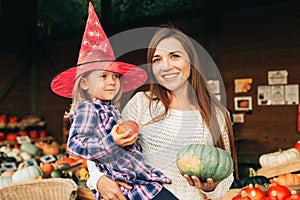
x=94, y=116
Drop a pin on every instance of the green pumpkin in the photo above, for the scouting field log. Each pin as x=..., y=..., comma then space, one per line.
x=252, y=179
x=204, y=161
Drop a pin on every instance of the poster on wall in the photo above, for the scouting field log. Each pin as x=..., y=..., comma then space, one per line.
x=243, y=103
x=264, y=95
x=242, y=85
x=278, y=77
x=291, y=94
x=214, y=86
x=277, y=95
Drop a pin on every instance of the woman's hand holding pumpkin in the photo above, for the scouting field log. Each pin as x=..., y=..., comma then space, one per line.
x=207, y=186
x=123, y=139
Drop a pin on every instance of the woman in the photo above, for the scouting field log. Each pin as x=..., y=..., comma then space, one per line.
x=177, y=110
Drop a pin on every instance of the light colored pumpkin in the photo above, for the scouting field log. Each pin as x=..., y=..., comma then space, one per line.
x=278, y=158
x=5, y=180
x=27, y=174
x=31, y=149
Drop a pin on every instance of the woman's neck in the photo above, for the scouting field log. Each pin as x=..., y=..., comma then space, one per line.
x=180, y=100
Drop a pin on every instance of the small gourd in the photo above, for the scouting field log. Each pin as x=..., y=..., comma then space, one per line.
x=204, y=161
x=278, y=158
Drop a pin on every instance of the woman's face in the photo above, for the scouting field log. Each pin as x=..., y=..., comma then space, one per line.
x=103, y=85
x=171, y=65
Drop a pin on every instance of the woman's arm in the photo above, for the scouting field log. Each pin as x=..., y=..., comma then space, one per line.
x=108, y=188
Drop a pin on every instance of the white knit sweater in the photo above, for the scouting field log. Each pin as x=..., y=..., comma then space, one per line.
x=162, y=140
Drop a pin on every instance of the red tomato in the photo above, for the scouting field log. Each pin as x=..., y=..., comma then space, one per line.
x=125, y=125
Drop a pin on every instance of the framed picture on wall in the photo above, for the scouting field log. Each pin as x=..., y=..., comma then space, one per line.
x=243, y=103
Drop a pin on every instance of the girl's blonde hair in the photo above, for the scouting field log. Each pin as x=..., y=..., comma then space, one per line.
x=80, y=95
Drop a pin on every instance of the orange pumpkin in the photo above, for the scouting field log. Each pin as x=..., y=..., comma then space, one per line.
x=11, y=137
x=68, y=160
x=50, y=149
x=47, y=168
x=254, y=193
x=40, y=144
x=288, y=179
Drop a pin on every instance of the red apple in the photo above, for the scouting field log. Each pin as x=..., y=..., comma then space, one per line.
x=126, y=125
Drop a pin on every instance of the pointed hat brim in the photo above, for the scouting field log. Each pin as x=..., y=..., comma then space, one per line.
x=132, y=76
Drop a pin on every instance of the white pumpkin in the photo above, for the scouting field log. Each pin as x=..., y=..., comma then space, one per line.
x=5, y=180
x=278, y=158
x=26, y=174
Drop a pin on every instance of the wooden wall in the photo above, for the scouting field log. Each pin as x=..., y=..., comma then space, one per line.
x=254, y=41
x=250, y=42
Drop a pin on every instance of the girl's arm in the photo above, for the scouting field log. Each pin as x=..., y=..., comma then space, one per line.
x=88, y=139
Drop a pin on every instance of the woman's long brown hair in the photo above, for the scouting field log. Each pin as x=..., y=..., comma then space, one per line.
x=199, y=92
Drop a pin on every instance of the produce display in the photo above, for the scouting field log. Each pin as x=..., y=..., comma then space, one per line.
x=27, y=152
x=282, y=182
x=204, y=161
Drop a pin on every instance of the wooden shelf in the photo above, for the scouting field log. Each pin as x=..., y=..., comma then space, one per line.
x=276, y=171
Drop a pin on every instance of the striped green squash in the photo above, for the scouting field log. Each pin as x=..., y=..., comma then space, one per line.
x=204, y=161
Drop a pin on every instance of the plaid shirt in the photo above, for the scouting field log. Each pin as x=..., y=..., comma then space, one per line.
x=90, y=138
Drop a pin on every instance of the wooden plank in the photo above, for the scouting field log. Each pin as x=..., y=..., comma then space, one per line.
x=276, y=171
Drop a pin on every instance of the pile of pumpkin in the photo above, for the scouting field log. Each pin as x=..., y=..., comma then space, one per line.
x=28, y=159
x=281, y=187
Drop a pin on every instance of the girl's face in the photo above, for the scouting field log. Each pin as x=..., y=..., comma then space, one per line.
x=103, y=85
x=170, y=64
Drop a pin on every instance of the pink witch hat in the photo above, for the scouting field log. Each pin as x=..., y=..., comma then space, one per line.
x=96, y=54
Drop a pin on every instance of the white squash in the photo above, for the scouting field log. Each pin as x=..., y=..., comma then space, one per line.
x=26, y=174
x=278, y=158
x=5, y=180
